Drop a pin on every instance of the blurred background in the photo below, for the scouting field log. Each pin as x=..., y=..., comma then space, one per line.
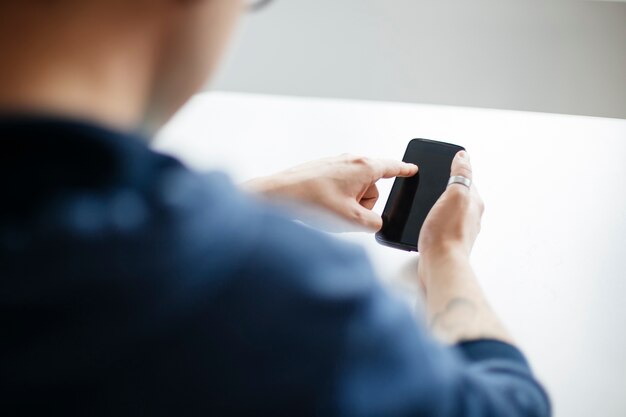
x=558, y=56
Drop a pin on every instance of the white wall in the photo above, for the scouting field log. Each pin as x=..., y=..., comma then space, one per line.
x=539, y=55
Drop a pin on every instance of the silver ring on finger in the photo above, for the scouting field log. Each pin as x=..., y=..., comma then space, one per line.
x=461, y=180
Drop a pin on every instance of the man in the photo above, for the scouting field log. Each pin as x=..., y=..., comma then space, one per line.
x=132, y=286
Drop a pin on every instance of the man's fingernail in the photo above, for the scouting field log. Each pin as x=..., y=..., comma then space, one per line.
x=463, y=155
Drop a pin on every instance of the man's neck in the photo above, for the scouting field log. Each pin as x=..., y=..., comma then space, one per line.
x=81, y=69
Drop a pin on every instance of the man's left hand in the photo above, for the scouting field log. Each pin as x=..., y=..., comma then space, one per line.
x=344, y=185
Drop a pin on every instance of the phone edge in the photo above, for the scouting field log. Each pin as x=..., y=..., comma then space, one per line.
x=394, y=245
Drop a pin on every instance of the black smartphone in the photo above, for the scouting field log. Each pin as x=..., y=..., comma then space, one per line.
x=412, y=198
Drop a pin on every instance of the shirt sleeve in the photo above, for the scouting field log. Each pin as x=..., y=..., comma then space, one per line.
x=310, y=318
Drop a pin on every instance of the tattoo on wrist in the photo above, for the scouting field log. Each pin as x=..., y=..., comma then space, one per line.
x=463, y=319
x=458, y=314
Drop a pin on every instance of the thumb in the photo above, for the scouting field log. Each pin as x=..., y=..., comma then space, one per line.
x=366, y=217
x=461, y=165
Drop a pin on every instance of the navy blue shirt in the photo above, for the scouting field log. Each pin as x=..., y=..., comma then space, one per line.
x=130, y=285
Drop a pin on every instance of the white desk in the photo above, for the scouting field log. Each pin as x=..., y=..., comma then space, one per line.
x=552, y=253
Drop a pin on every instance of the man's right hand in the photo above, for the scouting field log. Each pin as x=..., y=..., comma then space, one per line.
x=456, y=305
x=454, y=222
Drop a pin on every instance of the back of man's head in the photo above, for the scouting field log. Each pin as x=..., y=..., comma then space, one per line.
x=121, y=62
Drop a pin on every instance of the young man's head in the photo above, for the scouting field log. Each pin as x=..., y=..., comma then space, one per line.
x=121, y=62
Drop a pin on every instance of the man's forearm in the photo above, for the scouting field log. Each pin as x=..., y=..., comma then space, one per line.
x=457, y=308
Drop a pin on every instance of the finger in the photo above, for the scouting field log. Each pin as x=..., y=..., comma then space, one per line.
x=390, y=168
x=367, y=218
x=369, y=203
x=461, y=166
x=370, y=197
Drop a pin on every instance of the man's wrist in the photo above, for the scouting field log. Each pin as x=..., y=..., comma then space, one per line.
x=445, y=258
x=445, y=252
x=263, y=185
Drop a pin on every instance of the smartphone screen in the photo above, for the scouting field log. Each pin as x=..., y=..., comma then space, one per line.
x=412, y=198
